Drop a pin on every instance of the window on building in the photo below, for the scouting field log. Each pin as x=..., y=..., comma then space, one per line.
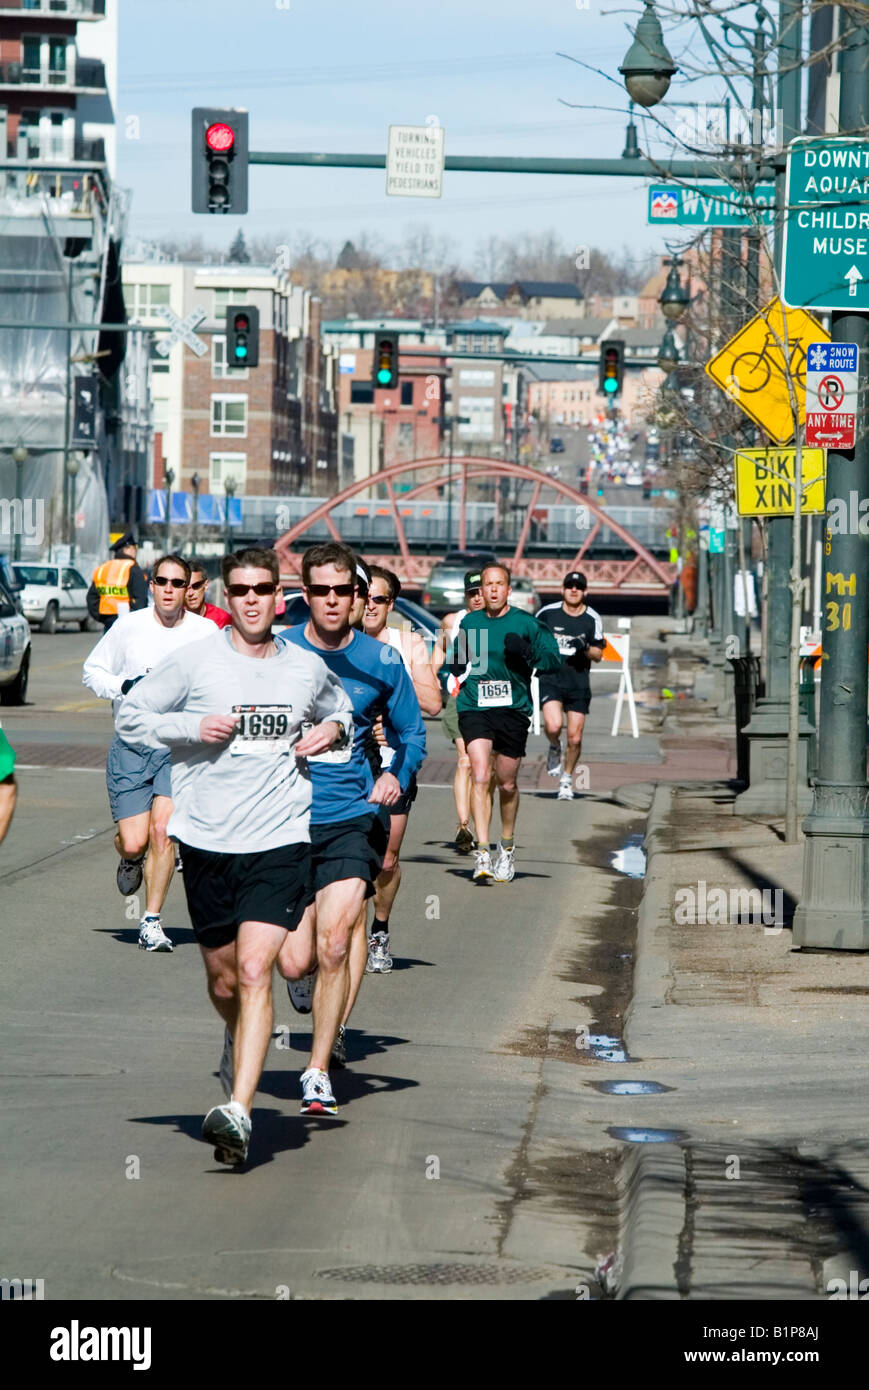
x=142, y=299
x=480, y=411
x=28, y=135
x=223, y=466
x=223, y=299
x=407, y=393
x=405, y=437
x=57, y=146
x=57, y=60
x=229, y=415
x=361, y=393
x=160, y=414
x=31, y=60
x=219, y=370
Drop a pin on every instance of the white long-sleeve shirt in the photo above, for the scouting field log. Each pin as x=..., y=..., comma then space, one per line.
x=249, y=793
x=133, y=645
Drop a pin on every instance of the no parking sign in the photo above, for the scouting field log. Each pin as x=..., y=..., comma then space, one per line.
x=832, y=378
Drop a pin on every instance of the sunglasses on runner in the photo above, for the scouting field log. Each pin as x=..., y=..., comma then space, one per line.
x=323, y=590
x=199, y=584
x=377, y=598
x=162, y=580
x=242, y=590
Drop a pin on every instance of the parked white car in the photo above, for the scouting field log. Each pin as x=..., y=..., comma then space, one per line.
x=53, y=594
x=14, y=650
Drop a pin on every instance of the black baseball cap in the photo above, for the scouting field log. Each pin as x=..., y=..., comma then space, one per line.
x=127, y=539
x=473, y=580
x=575, y=580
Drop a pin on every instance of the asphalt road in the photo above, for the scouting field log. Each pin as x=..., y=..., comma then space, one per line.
x=468, y=1158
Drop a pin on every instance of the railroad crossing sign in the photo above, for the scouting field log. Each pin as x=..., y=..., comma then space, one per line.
x=182, y=331
x=753, y=367
x=826, y=227
x=765, y=481
x=832, y=376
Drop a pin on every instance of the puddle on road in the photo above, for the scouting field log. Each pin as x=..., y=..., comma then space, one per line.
x=630, y=1088
x=646, y=1136
x=630, y=859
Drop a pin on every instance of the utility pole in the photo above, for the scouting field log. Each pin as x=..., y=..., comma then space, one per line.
x=767, y=731
x=834, y=909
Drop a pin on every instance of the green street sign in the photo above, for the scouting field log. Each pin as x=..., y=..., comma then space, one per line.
x=716, y=542
x=714, y=205
x=826, y=228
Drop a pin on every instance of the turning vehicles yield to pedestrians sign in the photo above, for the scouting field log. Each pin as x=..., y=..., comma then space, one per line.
x=832, y=377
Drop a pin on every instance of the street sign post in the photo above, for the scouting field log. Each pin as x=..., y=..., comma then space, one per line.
x=832, y=375
x=182, y=331
x=718, y=205
x=753, y=367
x=415, y=161
x=765, y=481
x=826, y=227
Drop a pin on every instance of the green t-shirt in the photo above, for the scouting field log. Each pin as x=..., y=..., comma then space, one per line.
x=499, y=679
x=7, y=757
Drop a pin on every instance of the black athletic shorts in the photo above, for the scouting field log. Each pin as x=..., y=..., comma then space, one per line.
x=405, y=801
x=573, y=695
x=223, y=890
x=507, y=728
x=349, y=849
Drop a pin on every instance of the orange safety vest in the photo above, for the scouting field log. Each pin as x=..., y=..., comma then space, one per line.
x=110, y=581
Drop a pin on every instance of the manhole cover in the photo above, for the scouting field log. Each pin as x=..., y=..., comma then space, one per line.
x=436, y=1274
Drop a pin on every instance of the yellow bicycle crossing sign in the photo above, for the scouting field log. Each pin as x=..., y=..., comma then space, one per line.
x=753, y=367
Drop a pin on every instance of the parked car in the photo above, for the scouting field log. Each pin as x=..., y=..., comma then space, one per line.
x=524, y=595
x=14, y=650
x=53, y=594
x=10, y=580
x=556, y=445
x=444, y=590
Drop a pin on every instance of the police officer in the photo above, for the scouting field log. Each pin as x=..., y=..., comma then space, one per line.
x=118, y=586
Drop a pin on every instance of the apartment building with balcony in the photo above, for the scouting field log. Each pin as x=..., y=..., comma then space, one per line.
x=61, y=228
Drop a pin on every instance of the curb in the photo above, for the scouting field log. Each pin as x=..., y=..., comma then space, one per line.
x=653, y=1209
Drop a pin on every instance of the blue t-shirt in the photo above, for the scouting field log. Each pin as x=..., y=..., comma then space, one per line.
x=374, y=677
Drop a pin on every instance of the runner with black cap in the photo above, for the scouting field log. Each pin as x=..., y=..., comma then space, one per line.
x=578, y=630
x=495, y=709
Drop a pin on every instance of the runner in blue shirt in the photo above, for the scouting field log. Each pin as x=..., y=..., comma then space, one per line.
x=348, y=836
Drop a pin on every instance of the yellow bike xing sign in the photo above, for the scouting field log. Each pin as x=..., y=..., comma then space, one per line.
x=765, y=481
x=752, y=368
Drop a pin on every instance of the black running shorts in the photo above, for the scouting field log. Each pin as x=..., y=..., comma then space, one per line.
x=224, y=890
x=405, y=801
x=507, y=729
x=349, y=849
x=573, y=695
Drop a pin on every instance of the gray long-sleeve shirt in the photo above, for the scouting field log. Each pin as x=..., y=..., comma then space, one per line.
x=251, y=793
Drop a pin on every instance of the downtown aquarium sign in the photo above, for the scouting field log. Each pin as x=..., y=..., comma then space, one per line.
x=826, y=228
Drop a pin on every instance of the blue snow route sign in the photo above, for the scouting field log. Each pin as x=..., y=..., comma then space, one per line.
x=839, y=357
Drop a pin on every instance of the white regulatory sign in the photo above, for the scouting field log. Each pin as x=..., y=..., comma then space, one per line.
x=415, y=161
x=832, y=379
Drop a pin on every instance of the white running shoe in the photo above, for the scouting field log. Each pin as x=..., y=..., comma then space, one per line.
x=317, y=1097
x=553, y=759
x=379, y=960
x=565, y=788
x=152, y=936
x=339, y=1048
x=301, y=993
x=224, y=1071
x=227, y=1127
x=504, y=866
x=482, y=865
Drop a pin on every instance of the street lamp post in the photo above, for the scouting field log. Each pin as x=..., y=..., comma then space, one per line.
x=194, y=483
x=72, y=467
x=168, y=479
x=228, y=494
x=20, y=456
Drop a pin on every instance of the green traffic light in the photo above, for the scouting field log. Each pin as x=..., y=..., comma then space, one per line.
x=241, y=349
x=384, y=376
x=610, y=385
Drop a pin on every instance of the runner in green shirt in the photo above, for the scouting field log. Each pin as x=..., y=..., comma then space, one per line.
x=8, y=789
x=504, y=645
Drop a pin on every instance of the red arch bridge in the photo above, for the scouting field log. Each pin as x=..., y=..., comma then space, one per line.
x=640, y=574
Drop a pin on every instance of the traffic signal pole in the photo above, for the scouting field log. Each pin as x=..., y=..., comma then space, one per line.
x=833, y=913
x=683, y=169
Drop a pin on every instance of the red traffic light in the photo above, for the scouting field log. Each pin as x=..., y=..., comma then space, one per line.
x=241, y=323
x=220, y=137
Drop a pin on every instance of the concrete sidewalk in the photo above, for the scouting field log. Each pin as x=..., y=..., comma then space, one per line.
x=746, y=1170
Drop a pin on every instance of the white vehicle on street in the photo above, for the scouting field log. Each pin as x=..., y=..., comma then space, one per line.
x=14, y=650
x=53, y=594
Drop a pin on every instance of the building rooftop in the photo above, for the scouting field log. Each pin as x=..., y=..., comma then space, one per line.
x=590, y=327
x=551, y=371
x=529, y=289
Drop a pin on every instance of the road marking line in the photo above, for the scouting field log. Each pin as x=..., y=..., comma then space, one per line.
x=80, y=704
x=53, y=767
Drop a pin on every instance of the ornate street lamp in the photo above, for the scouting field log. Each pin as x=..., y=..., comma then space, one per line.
x=194, y=483
x=228, y=494
x=668, y=353
x=20, y=455
x=648, y=67
x=168, y=479
x=674, y=298
x=72, y=467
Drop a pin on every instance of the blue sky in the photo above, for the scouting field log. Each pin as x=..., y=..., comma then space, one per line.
x=332, y=75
